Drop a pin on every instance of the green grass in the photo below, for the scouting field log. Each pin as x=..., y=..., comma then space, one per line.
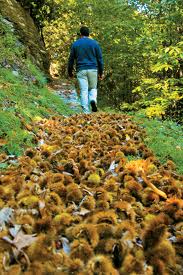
x=165, y=138
x=20, y=100
x=39, y=76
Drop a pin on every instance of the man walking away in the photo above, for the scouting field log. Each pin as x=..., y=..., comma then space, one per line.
x=89, y=66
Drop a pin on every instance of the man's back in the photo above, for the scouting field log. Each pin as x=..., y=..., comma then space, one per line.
x=87, y=54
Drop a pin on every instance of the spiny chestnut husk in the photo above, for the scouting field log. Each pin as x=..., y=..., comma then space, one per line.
x=96, y=199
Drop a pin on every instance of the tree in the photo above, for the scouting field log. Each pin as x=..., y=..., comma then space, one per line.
x=141, y=42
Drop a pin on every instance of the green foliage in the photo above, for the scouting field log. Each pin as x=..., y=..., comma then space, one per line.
x=164, y=88
x=159, y=90
x=39, y=10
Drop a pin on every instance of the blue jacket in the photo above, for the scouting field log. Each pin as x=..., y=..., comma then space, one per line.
x=88, y=55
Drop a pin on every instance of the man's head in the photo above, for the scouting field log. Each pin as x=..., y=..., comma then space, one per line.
x=84, y=31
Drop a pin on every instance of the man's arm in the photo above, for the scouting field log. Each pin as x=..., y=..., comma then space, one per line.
x=71, y=62
x=99, y=60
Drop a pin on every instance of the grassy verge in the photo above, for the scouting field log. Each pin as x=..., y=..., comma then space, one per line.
x=20, y=104
x=165, y=138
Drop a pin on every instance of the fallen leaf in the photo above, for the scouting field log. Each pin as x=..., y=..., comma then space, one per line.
x=82, y=212
x=65, y=245
x=6, y=215
x=14, y=230
x=112, y=167
x=21, y=240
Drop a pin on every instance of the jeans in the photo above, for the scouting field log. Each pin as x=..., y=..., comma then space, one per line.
x=87, y=80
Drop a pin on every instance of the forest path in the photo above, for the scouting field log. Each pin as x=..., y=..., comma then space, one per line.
x=67, y=91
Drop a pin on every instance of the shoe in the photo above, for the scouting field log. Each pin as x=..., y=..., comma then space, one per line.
x=93, y=106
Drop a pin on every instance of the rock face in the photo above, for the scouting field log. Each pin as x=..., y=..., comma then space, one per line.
x=27, y=32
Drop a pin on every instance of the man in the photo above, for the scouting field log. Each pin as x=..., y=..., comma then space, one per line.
x=89, y=66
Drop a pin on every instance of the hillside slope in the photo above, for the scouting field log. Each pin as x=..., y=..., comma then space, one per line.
x=23, y=25
x=24, y=97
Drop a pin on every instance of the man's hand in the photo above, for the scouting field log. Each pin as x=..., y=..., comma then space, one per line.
x=101, y=77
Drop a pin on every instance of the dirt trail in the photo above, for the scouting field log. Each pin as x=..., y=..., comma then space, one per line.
x=68, y=93
x=91, y=198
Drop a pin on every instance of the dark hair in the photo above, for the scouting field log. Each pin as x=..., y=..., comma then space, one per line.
x=84, y=31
